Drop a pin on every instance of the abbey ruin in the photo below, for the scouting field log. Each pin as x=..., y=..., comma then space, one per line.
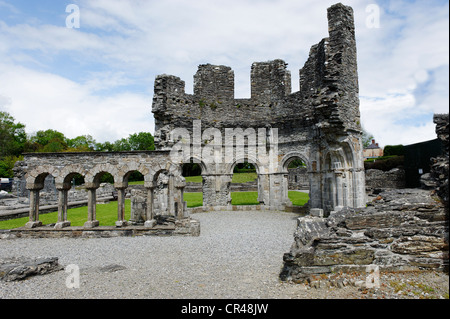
x=319, y=124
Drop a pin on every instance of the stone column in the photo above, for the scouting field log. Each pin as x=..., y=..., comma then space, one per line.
x=150, y=221
x=339, y=191
x=92, y=202
x=62, y=209
x=170, y=195
x=121, y=207
x=179, y=190
x=34, y=209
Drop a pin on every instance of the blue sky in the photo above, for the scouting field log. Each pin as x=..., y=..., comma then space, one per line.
x=98, y=79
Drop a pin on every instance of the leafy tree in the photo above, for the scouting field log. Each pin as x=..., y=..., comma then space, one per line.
x=83, y=143
x=48, y=141
x=142, y=141
x=12, y=136
x=366, y=138
x=7, y=165
x=104, y=147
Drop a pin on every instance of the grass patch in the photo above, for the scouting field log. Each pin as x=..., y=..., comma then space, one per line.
x=244, y=198
x=193, y=199
x=244, y=177
x=298, y=198
x=194, y=179
x=106, y=215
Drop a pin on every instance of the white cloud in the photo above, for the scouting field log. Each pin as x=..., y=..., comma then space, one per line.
x=122, y=45
x=49, y=101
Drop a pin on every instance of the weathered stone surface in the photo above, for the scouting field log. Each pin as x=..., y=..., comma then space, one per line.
x=112, y=268
x=13, y=269
x=397, y=230
x=320, y=124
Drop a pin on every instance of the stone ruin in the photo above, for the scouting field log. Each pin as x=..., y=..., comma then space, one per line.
x=399, y=230
x=319, y=124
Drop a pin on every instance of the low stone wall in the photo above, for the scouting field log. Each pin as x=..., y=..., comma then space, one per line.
x=395, y=178
x=184, y=227
x=298, y=178
x=399, y=230
x=235, y=187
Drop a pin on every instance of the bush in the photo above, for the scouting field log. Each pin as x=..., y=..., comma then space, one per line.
x=385, y=163
x=391, y=150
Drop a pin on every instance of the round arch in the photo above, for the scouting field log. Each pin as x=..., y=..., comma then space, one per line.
x=290, y=157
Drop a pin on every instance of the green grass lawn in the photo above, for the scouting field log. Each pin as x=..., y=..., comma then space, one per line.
x=245, y=198
x=107, y=213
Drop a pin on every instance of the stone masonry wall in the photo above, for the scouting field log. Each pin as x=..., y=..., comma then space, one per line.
x=395, y=178
x=320, y=124
x=400, y=230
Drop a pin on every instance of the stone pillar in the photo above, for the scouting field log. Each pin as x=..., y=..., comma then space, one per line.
x=62, y=209
x=150, y=221
x=170, y=196
x=121, y=207
x=339, y=191
x=34, y=209
x=92, y=205
x=285, y=185
x=179, y=191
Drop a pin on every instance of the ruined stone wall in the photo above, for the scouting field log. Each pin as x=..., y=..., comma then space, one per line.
x=400, y=230
x=440, y=164
x=319, y=124
x=298, y=178
x=403, y=229
x=375, y=178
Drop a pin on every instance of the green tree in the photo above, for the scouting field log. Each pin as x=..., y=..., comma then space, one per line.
x=7, y=165
x=142, y=141
x=104, y=147
x=83, y=143
x=366, y=138
x=12, y=136
x=135, y=142
x=48, y=141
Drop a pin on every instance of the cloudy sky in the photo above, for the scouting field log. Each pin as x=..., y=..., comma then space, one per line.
x=96, y=77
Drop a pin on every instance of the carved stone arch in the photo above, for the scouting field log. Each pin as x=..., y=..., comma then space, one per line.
x=67, y=173
x=252, y=160
x=35, y=178
x=290, y=156
x=92, y=178
x=196, y=160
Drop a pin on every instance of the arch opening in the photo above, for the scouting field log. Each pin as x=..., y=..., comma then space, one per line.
x=296, y=181
x=193, y=194
x=245, y=184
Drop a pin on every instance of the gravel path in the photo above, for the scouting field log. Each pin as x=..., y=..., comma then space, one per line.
x=237, y=256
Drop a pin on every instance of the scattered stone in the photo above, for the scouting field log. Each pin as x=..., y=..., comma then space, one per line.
x=112, y=268
x=14, y=269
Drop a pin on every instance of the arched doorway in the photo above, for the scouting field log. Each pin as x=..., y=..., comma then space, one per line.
x=296, y=180
x=193, y=194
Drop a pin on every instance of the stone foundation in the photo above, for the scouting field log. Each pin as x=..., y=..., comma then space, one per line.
x=399, y=230
x=187, y=227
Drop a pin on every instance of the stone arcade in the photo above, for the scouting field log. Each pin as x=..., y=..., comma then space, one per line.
x=319, y=124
